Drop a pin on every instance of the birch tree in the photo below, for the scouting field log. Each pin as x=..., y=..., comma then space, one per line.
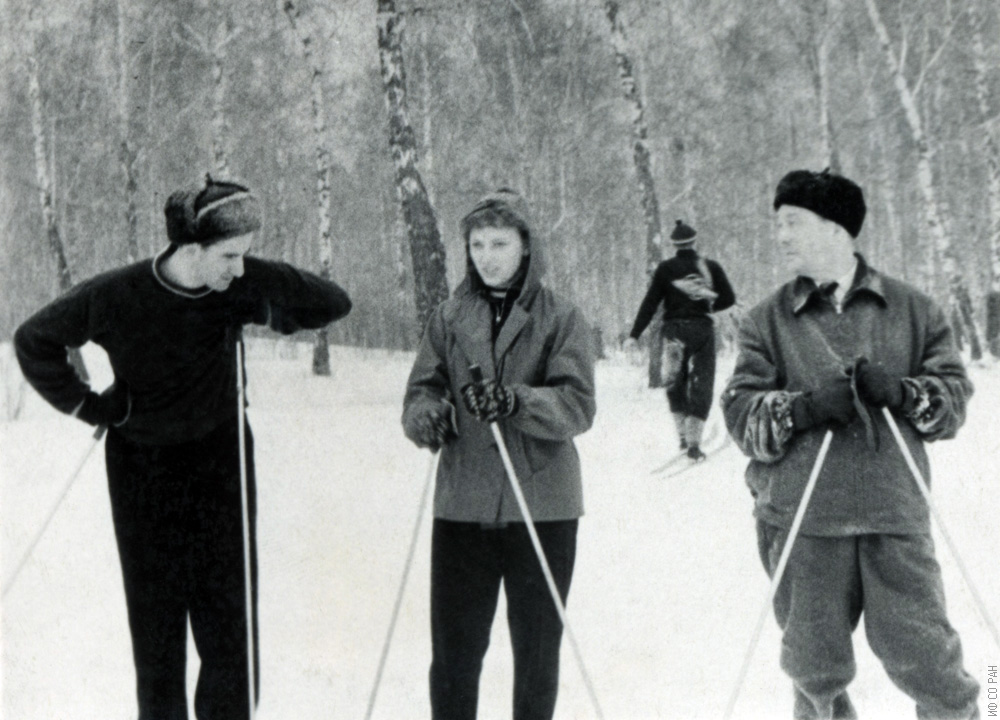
x=991, y=157
x=215, y=47
x=958, y=291
x=43, y=175
x=643, y=169
x=426, y=250
x=126, y=149
x=321, y=349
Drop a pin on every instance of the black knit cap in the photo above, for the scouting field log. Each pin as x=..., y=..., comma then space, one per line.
x=222, y=210
x=830, y=196
x=683, y=233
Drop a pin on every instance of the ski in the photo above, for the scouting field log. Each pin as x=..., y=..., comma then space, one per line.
x=713, y=430
x=709, y=454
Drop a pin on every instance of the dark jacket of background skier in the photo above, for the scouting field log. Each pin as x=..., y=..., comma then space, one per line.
x=544, y=353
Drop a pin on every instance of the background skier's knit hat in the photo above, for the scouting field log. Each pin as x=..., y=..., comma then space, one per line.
x=830, y=196
x=506, y=203
x=683, y=234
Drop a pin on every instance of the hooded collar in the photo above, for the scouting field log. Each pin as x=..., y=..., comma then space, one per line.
x=805, y=292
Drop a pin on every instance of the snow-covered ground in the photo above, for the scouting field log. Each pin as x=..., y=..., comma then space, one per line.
x=665, y=596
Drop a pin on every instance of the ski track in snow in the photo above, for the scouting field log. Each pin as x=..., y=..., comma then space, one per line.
x=667, y=588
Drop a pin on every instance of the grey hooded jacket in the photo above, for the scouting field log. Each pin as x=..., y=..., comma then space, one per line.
x=544, y=354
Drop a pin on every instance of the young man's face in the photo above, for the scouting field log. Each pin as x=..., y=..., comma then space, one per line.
x=496, y=253
x=219, y=263
x=809, y=243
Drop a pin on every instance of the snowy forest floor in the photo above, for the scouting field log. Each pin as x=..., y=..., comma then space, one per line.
x=667, y=588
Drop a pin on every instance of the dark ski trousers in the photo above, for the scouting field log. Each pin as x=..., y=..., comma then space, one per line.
x=689, y=344
x=178, y=522
x=896, y=582
x=468, y=563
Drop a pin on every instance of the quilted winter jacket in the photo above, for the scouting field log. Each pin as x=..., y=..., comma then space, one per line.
x=544, y=354
x=794, y=342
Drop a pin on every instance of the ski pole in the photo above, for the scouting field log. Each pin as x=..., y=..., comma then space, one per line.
x=245, y=514
x=925, y=491
x=515, y=485
x=9, y=583
x=431, y=472
x=779, y=571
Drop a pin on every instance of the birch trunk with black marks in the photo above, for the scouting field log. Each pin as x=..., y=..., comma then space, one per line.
x=426, y=250
x=991, y=156
x=958, y=290
x=220, y=126
x=127, y=154
x=43, y=176
x=644, y=173
x=321, y=348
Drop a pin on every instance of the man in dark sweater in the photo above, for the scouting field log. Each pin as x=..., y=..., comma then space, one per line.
x=170, y=326
x=864, y=546
x=690, y=288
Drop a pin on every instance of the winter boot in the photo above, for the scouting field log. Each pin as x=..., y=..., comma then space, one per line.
x=694, y=452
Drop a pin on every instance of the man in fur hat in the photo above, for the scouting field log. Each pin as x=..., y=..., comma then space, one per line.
x=690, y=288
x=836, y=340
x=170, y=325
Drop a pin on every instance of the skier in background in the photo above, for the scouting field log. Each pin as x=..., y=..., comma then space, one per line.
x=691, y=288
x=838, y=337
x=536, y=352
x=170, y=325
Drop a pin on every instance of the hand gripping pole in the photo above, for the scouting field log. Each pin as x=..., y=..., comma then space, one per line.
x=515, y=485
x=779, y=571
x=431, y=472
x=245, y=513
x=925, y=491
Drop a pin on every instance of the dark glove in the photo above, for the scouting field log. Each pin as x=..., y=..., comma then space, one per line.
x=111, y=407
x=832, y=403
x=435, y=427
x=878, y=387
x=488, y=400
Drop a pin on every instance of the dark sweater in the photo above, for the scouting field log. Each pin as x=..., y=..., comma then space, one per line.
x=676, y=303
x=175, y=350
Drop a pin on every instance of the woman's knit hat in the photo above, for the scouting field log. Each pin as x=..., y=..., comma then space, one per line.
x=218, y=211
x=830, y=196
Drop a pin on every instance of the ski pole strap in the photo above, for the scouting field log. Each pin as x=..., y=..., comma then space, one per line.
x=864, y=412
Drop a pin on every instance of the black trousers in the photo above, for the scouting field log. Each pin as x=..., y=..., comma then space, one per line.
x=689, y=345
x=468, y=563
x=178, y=522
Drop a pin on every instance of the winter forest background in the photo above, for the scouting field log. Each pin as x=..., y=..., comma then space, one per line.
x=613, y=118
x=368, y=127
